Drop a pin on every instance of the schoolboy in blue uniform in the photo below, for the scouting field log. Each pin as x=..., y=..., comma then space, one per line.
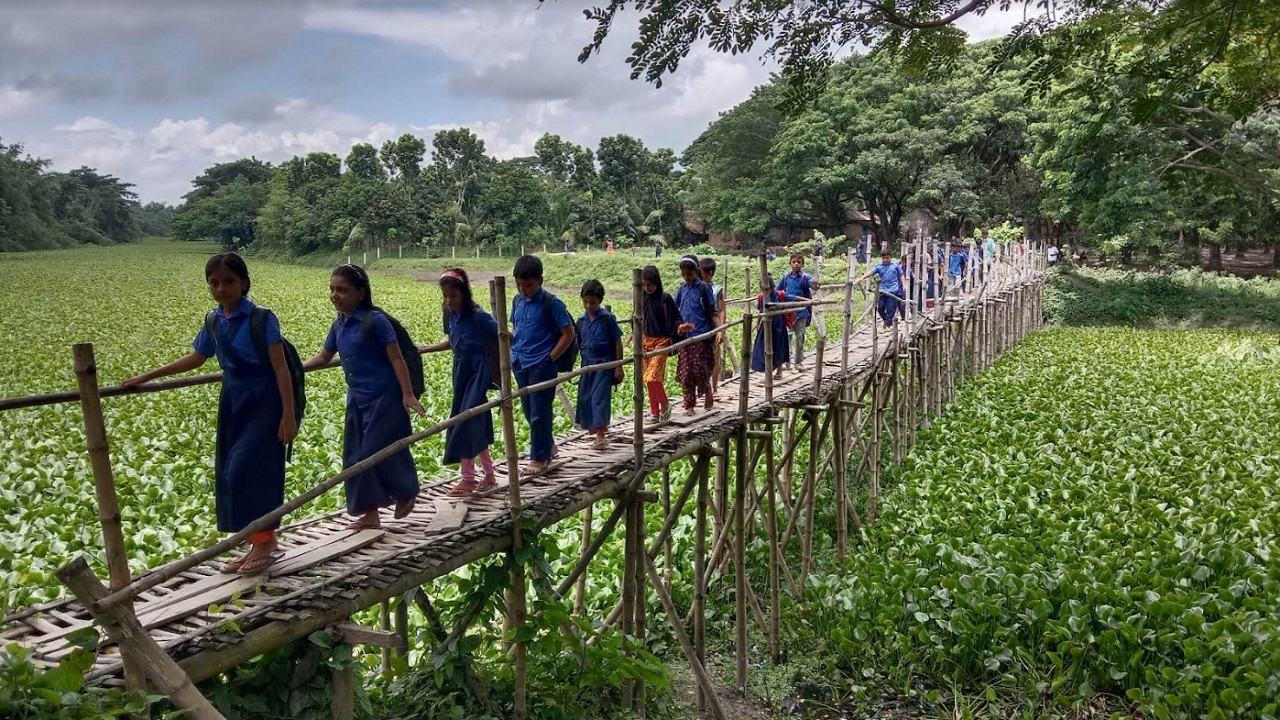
x=799, y=285
x=890, y=274
x=956, y=263
x=535, y=347
x=379, y=398
x=601, y=342
x=255, y=410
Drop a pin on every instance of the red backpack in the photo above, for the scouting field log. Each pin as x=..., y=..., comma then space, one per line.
x=789, y=319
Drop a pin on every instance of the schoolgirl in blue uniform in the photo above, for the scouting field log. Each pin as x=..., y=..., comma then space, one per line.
x=777, y=327
x=697, y=303
x=601, y=342
x=473, y=335
x=379, y=397
x=255, y=410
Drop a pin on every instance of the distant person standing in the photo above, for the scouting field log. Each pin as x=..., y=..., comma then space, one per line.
x=817, y=248
x=657, y=248
x=1052, y=254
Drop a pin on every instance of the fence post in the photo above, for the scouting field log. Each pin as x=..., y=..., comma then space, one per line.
x=637, y=352
x=104, y=485
x=516, y=586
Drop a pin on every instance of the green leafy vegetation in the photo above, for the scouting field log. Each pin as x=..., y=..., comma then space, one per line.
x=1185, y=298
x=1095, y=517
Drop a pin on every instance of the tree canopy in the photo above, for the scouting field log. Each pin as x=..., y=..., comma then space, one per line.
x=40, y=209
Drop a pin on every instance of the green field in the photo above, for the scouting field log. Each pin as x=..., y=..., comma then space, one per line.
x=1096, y=520
x=1093, y=525
x=141, y=305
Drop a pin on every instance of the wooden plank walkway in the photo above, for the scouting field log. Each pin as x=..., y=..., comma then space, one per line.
x=329, y=572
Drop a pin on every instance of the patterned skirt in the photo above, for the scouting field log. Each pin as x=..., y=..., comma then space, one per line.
x=694, y=366
x=655, y=368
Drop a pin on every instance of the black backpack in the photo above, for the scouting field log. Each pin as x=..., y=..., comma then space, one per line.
x=490, y=348
x=565, y=362
x=408, y=349
x=292, y=361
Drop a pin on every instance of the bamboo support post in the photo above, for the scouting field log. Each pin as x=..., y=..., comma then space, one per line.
x=766, y=327
x=343, y=704
x=384, y=624
x=104, y=485
x=699, y=572
x=122, y=626
x=690, y=653
x=580, y=591
x=637, y=371
x=771, y=527
x=639, y=604
x=740, y=519
x=515, y=595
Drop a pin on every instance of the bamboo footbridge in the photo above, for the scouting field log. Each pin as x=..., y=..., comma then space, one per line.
x=857, y=407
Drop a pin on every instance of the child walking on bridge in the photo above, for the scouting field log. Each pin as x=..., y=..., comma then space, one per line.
x=379, y=398
x=256, y=412
x=889, y=293
x=473, y=338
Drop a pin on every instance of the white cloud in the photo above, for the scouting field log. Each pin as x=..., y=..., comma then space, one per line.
x=14, y=100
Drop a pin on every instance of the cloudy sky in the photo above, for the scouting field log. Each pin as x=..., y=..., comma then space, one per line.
x=154, y=91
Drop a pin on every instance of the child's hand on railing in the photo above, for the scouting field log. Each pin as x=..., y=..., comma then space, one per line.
x=684, y=328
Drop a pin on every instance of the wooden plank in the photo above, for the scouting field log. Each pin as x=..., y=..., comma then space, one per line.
x=448, y=516
x=346, y=543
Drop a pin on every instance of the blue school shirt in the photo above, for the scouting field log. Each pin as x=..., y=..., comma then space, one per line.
x=534, y=340
x=798, y=287
x=466, y=334
x=364, y=355
x=599, y=337
x=242, y=354
x=958, y=258
x=687, y=300
x=890, y=277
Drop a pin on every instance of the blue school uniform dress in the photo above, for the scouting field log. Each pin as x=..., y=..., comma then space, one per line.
x=248, y=466
x=778, y=328
x=531, y=348
x=890, y=282
x=595, y=389
x=375, y=413
x=472, y=376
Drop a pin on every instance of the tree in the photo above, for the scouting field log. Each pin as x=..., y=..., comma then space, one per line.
x=461, y=163
x=403, y=156
x=155, y=219
x=513, y=202
x=564, y=161
x=225, y=202
x=363, y=163
x=1190, y=42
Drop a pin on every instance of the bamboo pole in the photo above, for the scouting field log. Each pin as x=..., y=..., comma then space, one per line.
x=771, y=526
x=515, y=595
x=666, y=513
x=690, y=653
x=104, y=486
x=629, y=559
x=637, y=375
x=384, y=624
x=837, y=413
x=581, y=589
x=639, y=604
x=740, y=518
x=810, y=480
x=122, y=626
x=766, y=327
x=699, y=571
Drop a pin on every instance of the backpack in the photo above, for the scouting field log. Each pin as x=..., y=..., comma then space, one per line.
x=408, y=350
x=565, y=362
x=788, y=319
x=488, y=346
x=577, y=329
x=292, y=361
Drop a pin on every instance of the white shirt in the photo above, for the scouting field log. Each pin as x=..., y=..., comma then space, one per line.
x=1053, y=253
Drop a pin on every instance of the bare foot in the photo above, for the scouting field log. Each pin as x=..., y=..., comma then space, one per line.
x=367, y=521
x=534, y=468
